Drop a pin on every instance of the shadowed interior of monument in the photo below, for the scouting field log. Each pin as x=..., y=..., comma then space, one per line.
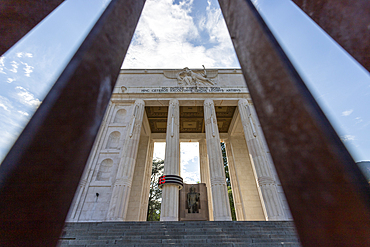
x=191, y=121
x=191, y=118
x=190, y=172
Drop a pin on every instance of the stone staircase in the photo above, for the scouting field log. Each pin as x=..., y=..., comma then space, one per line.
x=189, y=233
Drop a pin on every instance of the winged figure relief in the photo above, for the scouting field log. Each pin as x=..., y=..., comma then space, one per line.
x=188, y=77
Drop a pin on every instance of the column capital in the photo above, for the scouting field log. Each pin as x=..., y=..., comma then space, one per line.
x=139, y=102
x=174, y=102
x=244, y=105
x=208, y=102
x=243, y=101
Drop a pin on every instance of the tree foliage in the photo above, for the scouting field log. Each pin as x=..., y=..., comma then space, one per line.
x=227, y=175
x=155, y=194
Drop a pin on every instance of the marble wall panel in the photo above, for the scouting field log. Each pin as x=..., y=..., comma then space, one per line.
x=134, y=206
x=95, y=207
x=250, y=196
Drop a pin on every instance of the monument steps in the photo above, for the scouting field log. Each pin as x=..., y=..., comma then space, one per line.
x=191, y=233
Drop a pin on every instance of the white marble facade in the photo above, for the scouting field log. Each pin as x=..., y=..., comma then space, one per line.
x=116, y=180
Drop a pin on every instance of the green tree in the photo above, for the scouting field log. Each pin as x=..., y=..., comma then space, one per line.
x=229, y=190
x=224, y=158
x=155, y=194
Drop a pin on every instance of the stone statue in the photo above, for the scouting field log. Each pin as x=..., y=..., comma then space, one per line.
x=193, y=201
x=188, y=77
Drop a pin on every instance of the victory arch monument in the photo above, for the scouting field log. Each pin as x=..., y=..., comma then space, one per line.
x=173, y=106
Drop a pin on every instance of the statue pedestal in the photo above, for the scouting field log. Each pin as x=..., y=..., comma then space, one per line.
x=202, y=213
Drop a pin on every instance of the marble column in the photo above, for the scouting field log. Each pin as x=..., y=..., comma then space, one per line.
x=287, y=213
x=220, y=198
x=265, y=178
x=204, y=175
x=146, y=181
x=122, y=187
x=170, y=192
x=238, y=203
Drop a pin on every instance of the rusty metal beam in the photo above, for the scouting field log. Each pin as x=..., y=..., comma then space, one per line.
x=40, y=174
x=17, y=18
x=328, y=196
x=346, y=21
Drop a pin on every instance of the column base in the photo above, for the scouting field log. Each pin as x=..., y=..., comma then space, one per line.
x=170, y=202
x=225, y=218
x=276, y=218
x=169, y=218
x=116, y=219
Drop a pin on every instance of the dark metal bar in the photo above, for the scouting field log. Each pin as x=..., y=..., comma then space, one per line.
x=327, y=194
x=17, y=18
x=39, y=176
x=346, y=21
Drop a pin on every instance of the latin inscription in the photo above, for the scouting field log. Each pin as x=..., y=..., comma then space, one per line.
x=191, y=90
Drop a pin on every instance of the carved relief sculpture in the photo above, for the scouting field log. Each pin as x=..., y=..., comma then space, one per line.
x=188, y=77
x=193, y=201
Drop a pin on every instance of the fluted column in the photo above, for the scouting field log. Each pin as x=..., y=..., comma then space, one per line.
x=170, y=192
x=77, y=200
x=122, y=186
x=265, y=179
x=204, y=175
x=220, y=198
x=146, y=181
x=238, y=203
x=287, y=214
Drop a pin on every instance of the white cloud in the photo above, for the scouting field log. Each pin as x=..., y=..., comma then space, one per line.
x=2, y=65
x=2, y=105
x=190, y=162
x=358, y=120
x=166, y=37
x=347, y=113
x=223, y=52
x=24, y=113
x=28, y=69
x=15, y=66
x=190, y=177
x=24, y=54
x=189, y=151
x=5, y=103
x=10, y=80
x=346, y=138
x=159, y=150
x=189, y=159
x=26, y=97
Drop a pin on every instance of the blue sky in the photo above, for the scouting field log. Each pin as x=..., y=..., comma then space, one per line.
x=175, y=34
x=189, y=156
